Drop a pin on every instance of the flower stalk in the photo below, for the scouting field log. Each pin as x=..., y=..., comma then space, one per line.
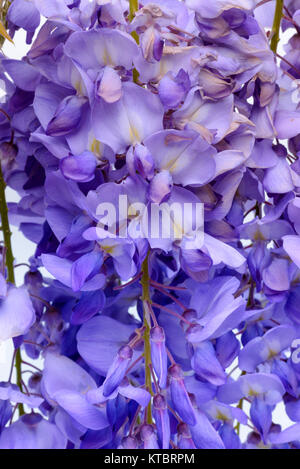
x=9, y=260
x=145, y=281
x=133, y=8
x=276, y=25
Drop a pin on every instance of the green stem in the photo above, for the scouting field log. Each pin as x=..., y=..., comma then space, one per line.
x=9, y=260
x=240, y=406
x=145, y=281
x=276, y=25
x=133, y=8
x=238, y=425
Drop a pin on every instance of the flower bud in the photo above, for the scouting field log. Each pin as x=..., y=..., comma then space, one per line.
x=117, y=370
x=148, y=437
x=162, y=420
x=129, y=442
x=180, y=398
x=159, y=354
x=185, y=440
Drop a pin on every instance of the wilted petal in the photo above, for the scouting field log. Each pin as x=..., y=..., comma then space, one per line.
x=205, y=115
x=214, y=9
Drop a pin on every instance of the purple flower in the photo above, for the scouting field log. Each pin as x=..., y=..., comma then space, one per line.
x=37, y=433
x=17, y=314
x=66, y=384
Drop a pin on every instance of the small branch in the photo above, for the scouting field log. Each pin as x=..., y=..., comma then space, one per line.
x=167, y=287
x=124, y=285
x=288, y=63
x=168, y=310
x=262, y=3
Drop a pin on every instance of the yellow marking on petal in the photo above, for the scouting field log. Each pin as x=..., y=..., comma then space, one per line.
x=78, y=87
x=258, y=236
x=96, y=147
x=221, y=416
x=253, y=393
x=134, y=134
x=171, y=165
x=132, y=211
x=272, y=353
x=106, y=57
x=178, y=229
x=108, y=249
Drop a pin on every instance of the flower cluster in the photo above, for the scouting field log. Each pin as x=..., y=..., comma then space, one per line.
x=150, y=342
